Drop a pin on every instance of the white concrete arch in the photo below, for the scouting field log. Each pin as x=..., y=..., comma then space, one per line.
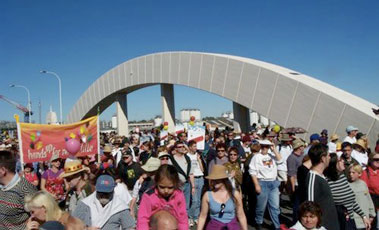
x=285, y=96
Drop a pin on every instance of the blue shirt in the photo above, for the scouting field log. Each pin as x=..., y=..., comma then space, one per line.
x=229, y=211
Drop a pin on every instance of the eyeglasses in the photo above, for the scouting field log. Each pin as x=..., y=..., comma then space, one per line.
x=222, y=210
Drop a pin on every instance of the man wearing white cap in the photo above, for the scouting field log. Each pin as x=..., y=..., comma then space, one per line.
x=351, y=133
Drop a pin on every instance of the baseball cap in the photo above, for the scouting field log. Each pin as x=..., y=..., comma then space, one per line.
x=105, y=183
x=314, y=137
x=128, y=152
x=351, y=128
x=265, y=142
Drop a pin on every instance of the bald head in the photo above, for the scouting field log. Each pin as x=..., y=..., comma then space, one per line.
x=163, y=220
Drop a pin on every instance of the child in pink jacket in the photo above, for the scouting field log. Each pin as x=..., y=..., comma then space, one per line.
x=166, y=195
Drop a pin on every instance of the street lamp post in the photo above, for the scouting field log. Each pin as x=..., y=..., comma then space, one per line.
x=60, y=91
x=29, y=102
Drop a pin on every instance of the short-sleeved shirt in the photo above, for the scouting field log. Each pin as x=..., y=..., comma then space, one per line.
x=293, y=163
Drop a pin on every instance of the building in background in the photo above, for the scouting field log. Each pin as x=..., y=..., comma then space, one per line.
x=114, y=121
x=158, y=121
x=228, y=114
x=186, y=114
x=51, y=117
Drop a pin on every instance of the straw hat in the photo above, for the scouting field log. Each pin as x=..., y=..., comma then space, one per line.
x=218, y=172
x=297, y=143
x=107, y=149
x=334, y=137
x=339, y=146
x=72, y=167
x=285, y=137
x=361, y=143
x=151, y=165
x=163, y=154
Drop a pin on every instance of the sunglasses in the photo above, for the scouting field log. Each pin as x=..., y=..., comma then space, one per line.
x=164, y=158
x=222, y=210
x=376, y=159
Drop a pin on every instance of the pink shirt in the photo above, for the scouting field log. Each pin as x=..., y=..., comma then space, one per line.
x=151, y=203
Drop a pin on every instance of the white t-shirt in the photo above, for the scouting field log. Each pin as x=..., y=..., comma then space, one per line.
x=264, y=167
x=362, y=158
x=351, y=140
x=195, y=164
x=332, y=147
x=285, y=152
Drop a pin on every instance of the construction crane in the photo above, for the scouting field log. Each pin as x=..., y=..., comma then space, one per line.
x=19, y=107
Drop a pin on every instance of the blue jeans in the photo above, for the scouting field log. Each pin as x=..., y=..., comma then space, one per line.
x=196, y=199
x=269, y=194
x=186, y=188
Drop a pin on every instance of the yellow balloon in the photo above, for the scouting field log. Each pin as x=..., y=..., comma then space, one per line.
x=165, y=127
x=81, y=130
x=72, y=135
x=191, y=123
x=276, y=128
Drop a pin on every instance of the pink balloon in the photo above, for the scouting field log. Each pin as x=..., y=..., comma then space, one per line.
x=73, y=146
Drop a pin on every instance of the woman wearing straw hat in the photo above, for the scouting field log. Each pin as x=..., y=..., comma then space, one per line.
x=359, y=153
x=224, y=204
x=79, y=187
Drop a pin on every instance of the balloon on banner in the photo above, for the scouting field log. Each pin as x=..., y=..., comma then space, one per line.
x=165, y=123
x=192, y=118
x=276, y=128
x=73, y=146
x=191, y=123
x=165, y=127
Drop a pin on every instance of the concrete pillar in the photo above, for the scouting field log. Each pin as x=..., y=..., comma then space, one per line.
x=122, y=115
x=168, y=106
x=241, y=121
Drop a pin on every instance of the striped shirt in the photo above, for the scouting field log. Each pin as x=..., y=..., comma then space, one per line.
x=12, y=213
x=344, y=195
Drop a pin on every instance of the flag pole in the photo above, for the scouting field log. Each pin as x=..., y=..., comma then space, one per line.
x=17, y=118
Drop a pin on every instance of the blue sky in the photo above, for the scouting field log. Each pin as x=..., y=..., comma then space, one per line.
x=334, y=41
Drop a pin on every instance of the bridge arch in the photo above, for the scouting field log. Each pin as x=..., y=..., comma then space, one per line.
x=285, y=96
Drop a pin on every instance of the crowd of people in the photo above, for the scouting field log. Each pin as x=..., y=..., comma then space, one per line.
x=142, y=182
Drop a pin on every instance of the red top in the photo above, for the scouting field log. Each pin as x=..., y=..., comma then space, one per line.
x=372, y=180
x=31, y=177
